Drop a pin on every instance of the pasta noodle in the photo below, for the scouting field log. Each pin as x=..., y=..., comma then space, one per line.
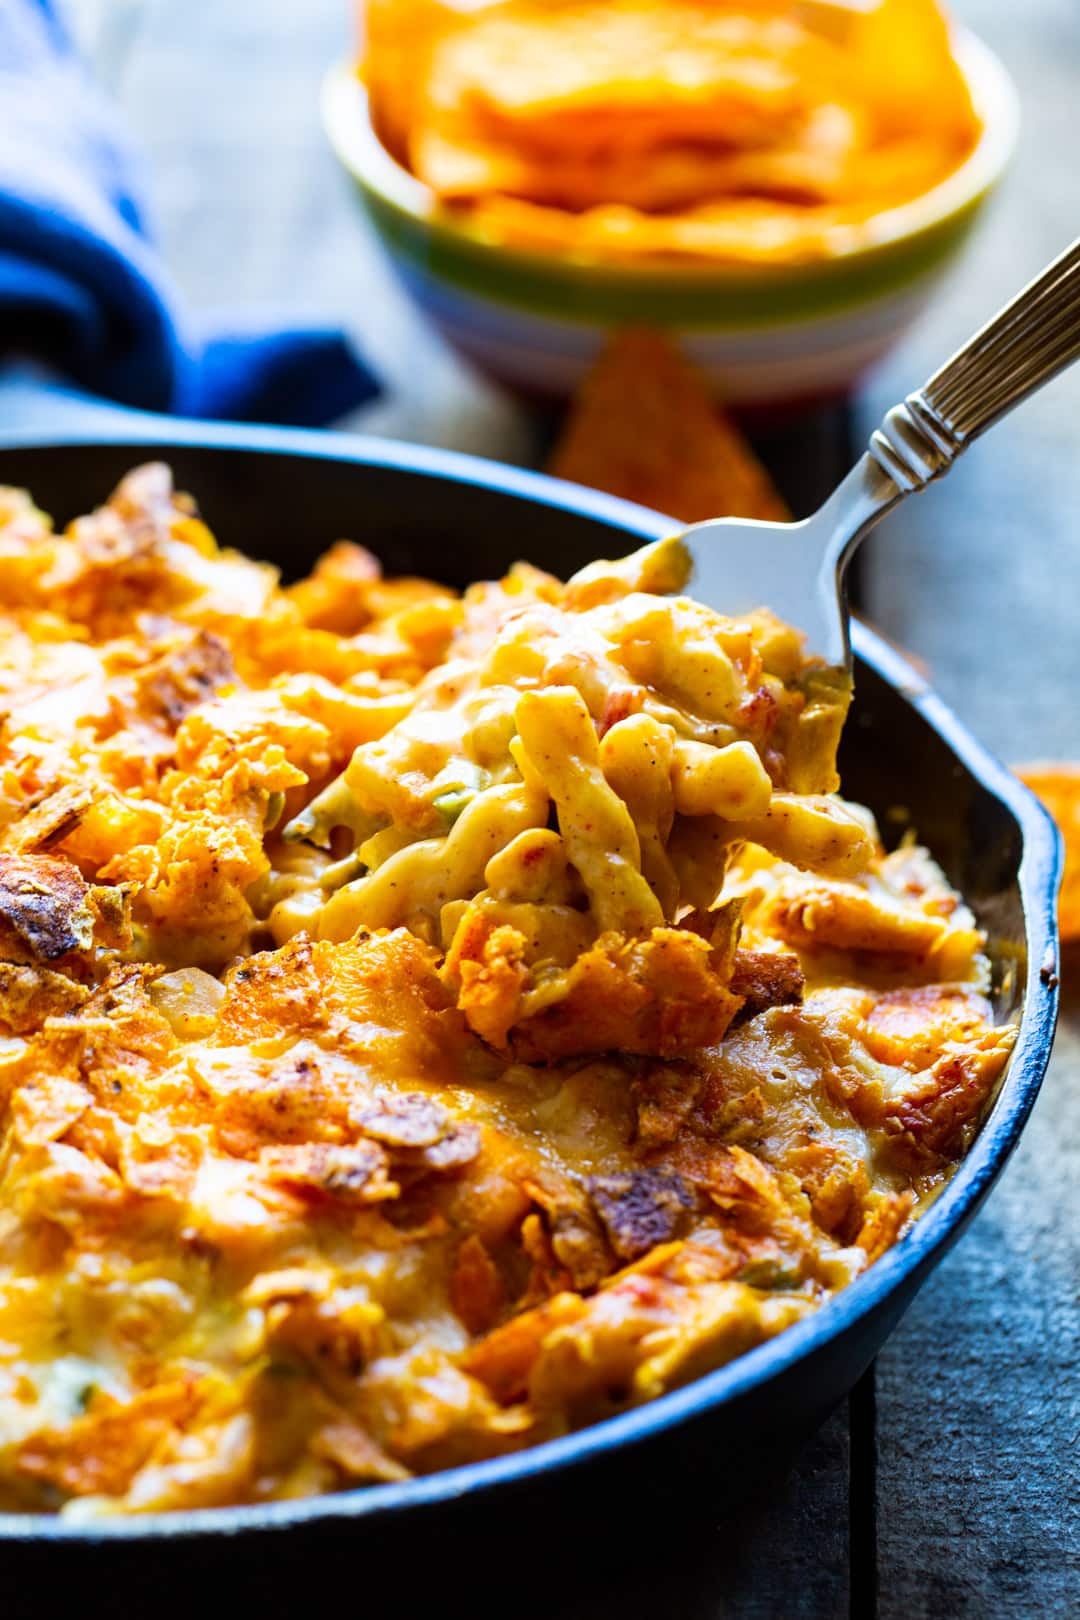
x=427, y=1023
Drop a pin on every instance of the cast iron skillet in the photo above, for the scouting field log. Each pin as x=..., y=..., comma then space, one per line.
x=286, y=496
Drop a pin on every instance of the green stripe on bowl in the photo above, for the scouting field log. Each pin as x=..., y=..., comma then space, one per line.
x=687, y=298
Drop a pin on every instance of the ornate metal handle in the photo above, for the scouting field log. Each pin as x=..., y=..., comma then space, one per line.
x=1030, y=341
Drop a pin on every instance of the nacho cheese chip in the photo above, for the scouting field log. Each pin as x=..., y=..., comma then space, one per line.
x=726, y=129
x=644, y=427
x=1058, y=786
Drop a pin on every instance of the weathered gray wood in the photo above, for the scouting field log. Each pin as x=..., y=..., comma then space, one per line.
x=782, y=1556
x=979, y=1479
x=978, y=1412
x=989, y=560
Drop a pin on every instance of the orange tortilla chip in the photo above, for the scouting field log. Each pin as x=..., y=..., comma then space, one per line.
x=1058, y=786
x=643, y=427
x=578, y=102
x=901, y=52
x=818, y=166
x=399, y=39
x=574, y=73
x=729, y=130
x=745, y=230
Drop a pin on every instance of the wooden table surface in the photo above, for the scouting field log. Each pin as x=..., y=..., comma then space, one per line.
x=951, y=1486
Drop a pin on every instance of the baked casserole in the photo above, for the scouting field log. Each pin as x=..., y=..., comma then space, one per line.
x=428, y=1023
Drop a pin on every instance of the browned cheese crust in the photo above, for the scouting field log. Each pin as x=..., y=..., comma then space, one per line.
x=426, y=1023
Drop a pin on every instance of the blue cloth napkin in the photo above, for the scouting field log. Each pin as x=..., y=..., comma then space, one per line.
x=81, y=285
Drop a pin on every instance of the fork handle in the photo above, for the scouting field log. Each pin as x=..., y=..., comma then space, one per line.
x=1031, y=340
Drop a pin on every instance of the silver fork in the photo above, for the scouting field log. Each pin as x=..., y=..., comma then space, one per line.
x=798, y=569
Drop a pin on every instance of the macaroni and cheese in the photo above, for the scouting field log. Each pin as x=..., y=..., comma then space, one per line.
x=428, y=1023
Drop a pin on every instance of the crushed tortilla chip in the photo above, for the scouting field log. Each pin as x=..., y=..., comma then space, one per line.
x=644, y=427
x=1058, y=786
x=738, y=130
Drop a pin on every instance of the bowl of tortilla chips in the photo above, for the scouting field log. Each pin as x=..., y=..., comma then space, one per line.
x=780, y=183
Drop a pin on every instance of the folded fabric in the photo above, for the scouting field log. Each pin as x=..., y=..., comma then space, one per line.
x=81, y=284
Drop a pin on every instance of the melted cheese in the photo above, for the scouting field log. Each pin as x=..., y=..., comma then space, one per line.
x=426, y=1024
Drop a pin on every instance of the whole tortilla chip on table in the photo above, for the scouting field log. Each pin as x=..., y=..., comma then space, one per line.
x=1058, y=786
x=644, y=427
